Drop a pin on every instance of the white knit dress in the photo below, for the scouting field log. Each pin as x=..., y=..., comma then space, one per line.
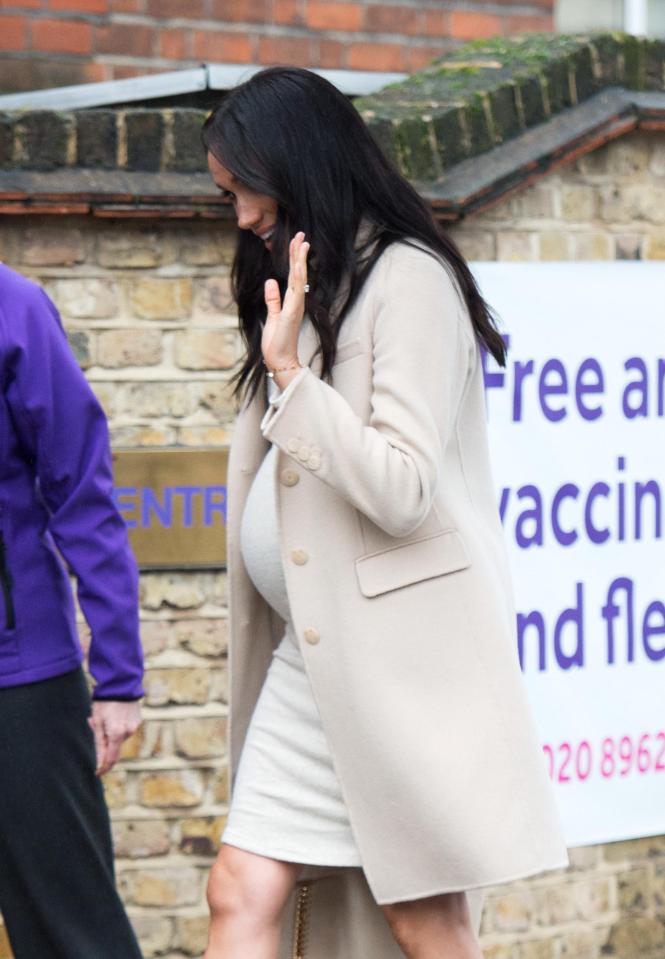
x=287, y=802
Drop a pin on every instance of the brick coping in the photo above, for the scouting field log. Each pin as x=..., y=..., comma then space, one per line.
x=474, y=126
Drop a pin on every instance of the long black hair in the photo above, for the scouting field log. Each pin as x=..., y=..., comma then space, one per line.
x=289, y=134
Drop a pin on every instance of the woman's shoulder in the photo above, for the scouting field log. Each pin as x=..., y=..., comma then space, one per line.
x=413, y=263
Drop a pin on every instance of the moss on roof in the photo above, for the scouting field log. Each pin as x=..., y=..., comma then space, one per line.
x=492, y=90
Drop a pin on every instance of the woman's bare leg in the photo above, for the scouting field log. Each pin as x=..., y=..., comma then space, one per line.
x=247, y=895
x=438, y=927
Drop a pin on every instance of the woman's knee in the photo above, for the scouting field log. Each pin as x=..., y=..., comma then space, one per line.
x=446, y=914
x=242, y=884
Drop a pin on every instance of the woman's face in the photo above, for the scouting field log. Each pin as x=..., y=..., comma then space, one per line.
x=254, y=211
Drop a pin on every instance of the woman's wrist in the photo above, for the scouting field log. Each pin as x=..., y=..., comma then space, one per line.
x=283, y=377
x=279, y=366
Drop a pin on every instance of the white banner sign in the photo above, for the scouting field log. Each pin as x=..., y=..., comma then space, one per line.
x=577, y=433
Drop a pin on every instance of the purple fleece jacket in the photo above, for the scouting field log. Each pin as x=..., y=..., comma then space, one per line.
x=56, y=500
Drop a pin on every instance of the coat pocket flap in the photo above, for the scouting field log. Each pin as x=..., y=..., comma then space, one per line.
x=411, y=562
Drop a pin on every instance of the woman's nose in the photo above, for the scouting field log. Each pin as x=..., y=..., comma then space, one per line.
x=249, y=214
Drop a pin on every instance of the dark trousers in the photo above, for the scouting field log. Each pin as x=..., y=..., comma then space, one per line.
x=57, y=888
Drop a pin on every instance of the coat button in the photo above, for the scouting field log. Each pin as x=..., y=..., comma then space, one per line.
x=304, y=453
x=289, y=478
x=299, y=556
x=314, y=461
x=312, y=635
x=293, y=445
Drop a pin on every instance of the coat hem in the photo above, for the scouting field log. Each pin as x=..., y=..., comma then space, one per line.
x=50, y=670
x=284, y=855
x=497, y=881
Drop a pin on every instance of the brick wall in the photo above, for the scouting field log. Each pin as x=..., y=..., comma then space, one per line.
x=56, y=42
x=148, y=312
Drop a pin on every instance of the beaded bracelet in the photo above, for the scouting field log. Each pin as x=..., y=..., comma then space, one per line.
x=282, y=369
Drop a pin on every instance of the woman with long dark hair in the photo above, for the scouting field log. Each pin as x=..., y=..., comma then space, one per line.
x=384, y=760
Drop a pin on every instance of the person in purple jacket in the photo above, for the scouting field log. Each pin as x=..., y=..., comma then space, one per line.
x=57, y=888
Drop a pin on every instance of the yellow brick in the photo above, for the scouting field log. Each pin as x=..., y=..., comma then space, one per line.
x=628, y=156
x=164, y=887
x=578, y=202
x=201, y=837
x=155, y=934
x=203, y=436
x=593, y=246
x=191, y=934
x=115, y=788
x=182, y=685
x=200, y=738
x=221, y=786
x=160, y=298
x=137, y=436
x=205, y=637
x=129, y=249
x=177, y=590
x=513, y=912
x=171, y=788
x=53, y=246
x=476, y=244
x=83, y=298
x=119, y=348
x=554, y=246
x=203, y=349
x=213, y=297
x=515, y=246
x=636, y=936
x=654, y=246
x=137, y=839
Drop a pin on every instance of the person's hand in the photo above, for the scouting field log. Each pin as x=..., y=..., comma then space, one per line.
x=279, y=342
x=112, y=722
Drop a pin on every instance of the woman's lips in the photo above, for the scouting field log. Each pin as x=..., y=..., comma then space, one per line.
x=266, y=236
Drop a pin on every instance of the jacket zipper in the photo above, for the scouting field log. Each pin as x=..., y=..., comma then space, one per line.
x=300, y=930
x=6, y=585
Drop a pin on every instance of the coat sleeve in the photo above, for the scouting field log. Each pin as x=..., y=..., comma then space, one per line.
x=63, y=430
x=422, y=352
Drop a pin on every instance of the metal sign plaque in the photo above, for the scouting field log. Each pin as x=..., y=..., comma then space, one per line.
x=174, y=504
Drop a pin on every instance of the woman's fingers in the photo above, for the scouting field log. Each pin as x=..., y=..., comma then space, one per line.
x=295, y=291
x=273, y=299
x=298, y=250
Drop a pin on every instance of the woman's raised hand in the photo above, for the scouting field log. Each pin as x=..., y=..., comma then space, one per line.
x=279, y=342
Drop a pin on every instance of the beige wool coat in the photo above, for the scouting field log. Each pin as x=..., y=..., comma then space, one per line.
x=399, y=590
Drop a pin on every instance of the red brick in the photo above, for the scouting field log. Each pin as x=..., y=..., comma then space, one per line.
x=128, y=39
x=330, y=15
x=435, y=23
x=13, y=33
x=287, y=12
x=221, y=47
x=97, y=72
x=241, y=11
x=174, y=44
x=419, y=57
x=384, y=19
x=80, y=6
x=375, y=56
x=470, y=26
x=185, y=9
x=61, y=36
x=297, y=51
x=24, y=4
x=546, y=4
x=332, y=54
x=128, y=6
x=528, y=24
x=123, y=72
